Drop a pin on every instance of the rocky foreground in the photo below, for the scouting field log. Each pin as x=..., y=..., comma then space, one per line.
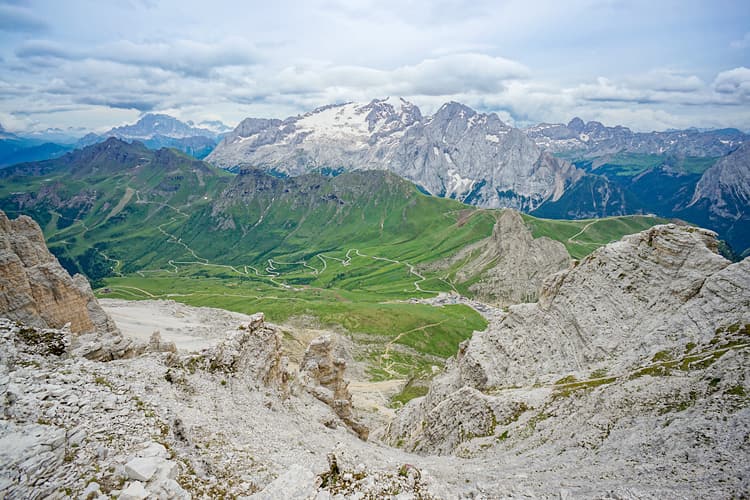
x=629, y=378
x=632, y=370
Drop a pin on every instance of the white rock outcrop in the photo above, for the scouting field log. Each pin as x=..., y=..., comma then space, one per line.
x=252, y=353
x=629, y=356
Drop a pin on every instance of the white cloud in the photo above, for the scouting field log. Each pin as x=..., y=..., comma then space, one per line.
x=666, y=80
x=529, y=61
x=656, y=99
x=458, y=73
x=734, y=83
x=183, y=56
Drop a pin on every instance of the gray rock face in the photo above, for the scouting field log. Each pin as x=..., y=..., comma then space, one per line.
x=252, y=353
x=726, y=185
x=34, y=288
x=137, y=428
x=511, y=263
x=593, y=139
x=52, y=424
x=626, y=354
x=621, y=304
x=456, y=153
x=37, y=291
x=323, y=377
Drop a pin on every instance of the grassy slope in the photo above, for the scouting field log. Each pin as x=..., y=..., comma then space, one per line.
x=581, y=237
x=632, y=164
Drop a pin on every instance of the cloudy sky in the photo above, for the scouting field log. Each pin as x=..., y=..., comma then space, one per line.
x=649, y=64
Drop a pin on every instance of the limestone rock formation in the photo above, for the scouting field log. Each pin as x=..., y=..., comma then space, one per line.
x=58, y=433
x=323, y=377
x=76, y=428
x=623, y=352
x=511, y=263
x=156, y=344
x=622, y=303
x=252, y=353
x=37, y=291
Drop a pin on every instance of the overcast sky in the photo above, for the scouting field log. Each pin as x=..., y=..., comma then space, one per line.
x=649, y=65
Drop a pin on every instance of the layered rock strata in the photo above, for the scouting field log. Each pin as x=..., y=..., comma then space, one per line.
x=36, y=290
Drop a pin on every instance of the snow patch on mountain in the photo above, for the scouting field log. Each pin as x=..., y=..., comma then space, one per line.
x=456, y=152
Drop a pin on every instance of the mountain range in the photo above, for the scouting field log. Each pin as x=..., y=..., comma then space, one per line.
x=154, y=130
x=16, y=149
x=593, y=139
x=574, y=171
x=97, y=201
x=627, y=378
x=455, y=153
x=159, y=130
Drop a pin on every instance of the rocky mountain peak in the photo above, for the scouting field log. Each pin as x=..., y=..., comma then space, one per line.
x=576, y=124
x=510, y=264
x=158, y=130
x=454, y=110
x=151, y=125
x=724, y=191
x=251, y=126
x=392, y=109
x=619, y=304
x=594, y=139
x=37, y=291
x=456, y=153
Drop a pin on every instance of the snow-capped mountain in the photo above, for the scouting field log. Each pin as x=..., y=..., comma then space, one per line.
x=157, y=131
x=456, y=152
x=151, y=125
x=593, y=139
